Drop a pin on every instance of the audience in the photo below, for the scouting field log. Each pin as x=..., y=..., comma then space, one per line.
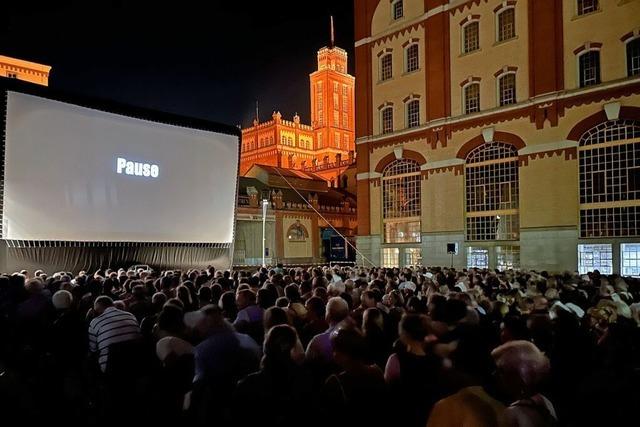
x=320, y=346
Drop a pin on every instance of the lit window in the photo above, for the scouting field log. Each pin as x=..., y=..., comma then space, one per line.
x=472, y=98
x=609, y=162
x=386, y=71
x=507, y=257
x=587, y=6
x=477, y=257
x=413, y=113
x=506, y=24
x=595, y=257
x=589, y=63
x=412, y=256
x=491, y=187
x=633, y=57
x=390, y=257
x=401, y=202
x=336, y=117
x=471, y=37
x=387, y=119
x=412, y=58
x=630, y=259
x=507, y=89
x=345, y=120
x=397, y=11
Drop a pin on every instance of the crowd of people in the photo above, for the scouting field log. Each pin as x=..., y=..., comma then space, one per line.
x=341, y=346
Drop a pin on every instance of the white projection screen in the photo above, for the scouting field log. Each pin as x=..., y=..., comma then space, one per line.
x=63, y=180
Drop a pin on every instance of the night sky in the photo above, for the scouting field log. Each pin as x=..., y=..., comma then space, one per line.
x=208, y=62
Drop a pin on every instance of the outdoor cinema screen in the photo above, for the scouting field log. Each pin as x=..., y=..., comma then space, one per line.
x=80, y=174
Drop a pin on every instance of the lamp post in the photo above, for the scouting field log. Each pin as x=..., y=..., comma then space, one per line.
x=265, y=205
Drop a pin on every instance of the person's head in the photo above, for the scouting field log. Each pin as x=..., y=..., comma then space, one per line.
x=292, y=292
x=349, y=347
x=337, y=310
x=274, y=316
x=204, y=295
x=413, y=329
x=170, y=320
x=245, y=298
x=34, y=286
x=101, y=304
x=520, y=368
x=281, y=347
x=227, y=304
x=184, y=295
x=266, y=298
x=315, y=308
x=514, y=328
x=62, y=300
x=205, y=321
x=368, y=299
x=372, y=321
x=158, y=300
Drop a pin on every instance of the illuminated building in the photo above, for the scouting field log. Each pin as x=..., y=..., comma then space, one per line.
x=326, y=147
x=510, y=128
x=32, y=72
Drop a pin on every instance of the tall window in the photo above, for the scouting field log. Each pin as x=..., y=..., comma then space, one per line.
x=413, y=113
x=609, y=158
x=387, y=119
x=401, y=201
x=471, y=98
x=320, y=104
x=633, y=57
x=492, y=196
x=477, y=257
x=386, y=67
x=471, y=37
x=390, y=257
x=507, y=89
x=507, y=24
x=412, y=58
x=397, y=9
x=595, y=257
x=587, y=6
x=589, y=64
x=630, y=259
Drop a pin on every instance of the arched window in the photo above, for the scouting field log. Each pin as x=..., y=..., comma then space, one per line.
x=633, y=57
x=412, y=58
x=507, y=89
x=506, y=20
x=386, y=119
x=413, y=113
x=471, y=37
x=491, y=186
x=471, y=98
x=401, y=201
x=386, y=67
x=609, y=156
x=589, y=68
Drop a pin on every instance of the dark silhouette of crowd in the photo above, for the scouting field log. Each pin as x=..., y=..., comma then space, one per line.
x=341, y=346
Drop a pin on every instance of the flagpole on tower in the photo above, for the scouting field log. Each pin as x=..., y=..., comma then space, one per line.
x=332, y=45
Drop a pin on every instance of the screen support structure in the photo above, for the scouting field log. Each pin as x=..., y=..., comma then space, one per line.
x=265, y=205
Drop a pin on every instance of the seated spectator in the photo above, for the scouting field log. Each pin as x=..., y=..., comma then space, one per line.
x=249, y=318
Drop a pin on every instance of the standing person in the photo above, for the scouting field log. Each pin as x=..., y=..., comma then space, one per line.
x=111, y=326
x=414, y=375
x=319, y=352
x=349, y=394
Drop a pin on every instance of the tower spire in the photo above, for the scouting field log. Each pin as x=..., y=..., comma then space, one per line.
x=332, y=45
x=257, y=114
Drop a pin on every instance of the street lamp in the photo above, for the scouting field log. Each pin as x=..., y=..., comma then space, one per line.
x=265, y=205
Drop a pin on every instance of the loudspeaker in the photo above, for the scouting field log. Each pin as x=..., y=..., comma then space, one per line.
x=452, y=248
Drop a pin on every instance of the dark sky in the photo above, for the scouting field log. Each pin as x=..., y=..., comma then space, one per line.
x=208, y=61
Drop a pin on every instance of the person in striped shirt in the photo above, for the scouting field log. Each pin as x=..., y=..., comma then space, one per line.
x=111, y=326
